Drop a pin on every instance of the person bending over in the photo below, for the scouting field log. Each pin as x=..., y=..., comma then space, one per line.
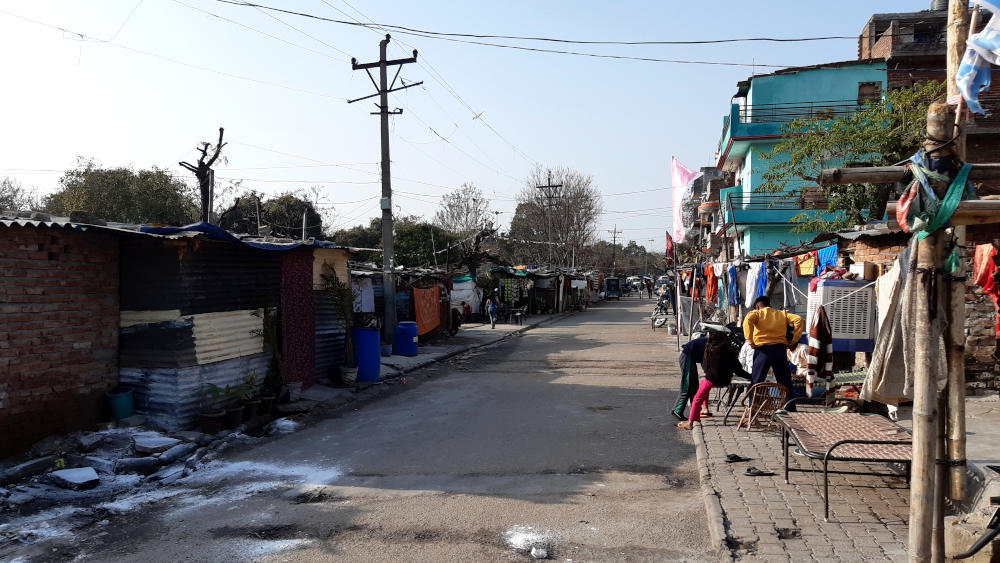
x=720, y=364
x=692, y=354
x=766, y=330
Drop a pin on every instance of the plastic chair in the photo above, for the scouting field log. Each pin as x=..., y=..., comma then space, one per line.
x=761, y=401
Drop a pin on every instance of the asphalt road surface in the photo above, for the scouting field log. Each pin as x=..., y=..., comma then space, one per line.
x=559, y=438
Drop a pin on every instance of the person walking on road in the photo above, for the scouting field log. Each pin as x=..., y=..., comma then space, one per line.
x=491, y=310
x=766, y=330
x=649, y=288
x=720, y=363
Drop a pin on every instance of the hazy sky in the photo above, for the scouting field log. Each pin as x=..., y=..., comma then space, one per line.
x=171, y=75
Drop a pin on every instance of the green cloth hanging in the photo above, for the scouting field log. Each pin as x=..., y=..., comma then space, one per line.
x=956, y=193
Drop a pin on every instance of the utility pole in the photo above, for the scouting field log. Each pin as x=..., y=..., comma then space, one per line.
x=383, y=88
x=548, y=213
x=645, y=255
x=614, y=241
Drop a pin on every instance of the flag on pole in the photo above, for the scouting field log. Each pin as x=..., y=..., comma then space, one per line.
x=681, y=178
x=670, y=250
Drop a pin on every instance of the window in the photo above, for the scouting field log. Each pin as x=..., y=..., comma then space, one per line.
x=869, y=92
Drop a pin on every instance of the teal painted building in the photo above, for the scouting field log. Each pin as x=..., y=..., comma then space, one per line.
x=757, y=223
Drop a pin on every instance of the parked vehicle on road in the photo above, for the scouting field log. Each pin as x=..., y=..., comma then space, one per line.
x=613, y=288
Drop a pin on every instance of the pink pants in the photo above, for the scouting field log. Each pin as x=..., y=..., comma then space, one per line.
x=700, y=400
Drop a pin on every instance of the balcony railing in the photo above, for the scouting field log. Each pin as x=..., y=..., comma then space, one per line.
x=785, y=112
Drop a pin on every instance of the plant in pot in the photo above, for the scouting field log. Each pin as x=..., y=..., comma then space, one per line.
x=212, y=416
x=230, y=399
x=274, y=380
x=342, y=295
x=248, y=396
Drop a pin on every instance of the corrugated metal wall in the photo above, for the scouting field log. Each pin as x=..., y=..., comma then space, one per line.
x=196, y=276
x=211, y=289
x=330, y=341
x=172, y=397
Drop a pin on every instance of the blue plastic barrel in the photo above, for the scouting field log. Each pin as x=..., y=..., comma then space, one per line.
x=367, y=353
x=406, y=338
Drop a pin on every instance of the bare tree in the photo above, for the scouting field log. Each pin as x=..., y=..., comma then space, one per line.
x=463, y=211
x=203, y=171
x=565, y=215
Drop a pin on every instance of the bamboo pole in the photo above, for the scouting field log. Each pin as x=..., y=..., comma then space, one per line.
x=892, y=174
x=955, y=438
x=956, y=376
x=969, y=212
x=924, y=414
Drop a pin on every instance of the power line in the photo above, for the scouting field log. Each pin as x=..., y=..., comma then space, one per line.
x=453, y=37
x=128, y=17
x=264, y=33
x=90, y=39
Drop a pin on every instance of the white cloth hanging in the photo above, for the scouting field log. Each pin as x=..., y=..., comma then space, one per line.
x=750, y=289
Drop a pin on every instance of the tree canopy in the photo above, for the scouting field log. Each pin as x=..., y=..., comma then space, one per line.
x=282, y=214
x=880, y=134
x=125, y=195
x=15, y=197
x=413, y=245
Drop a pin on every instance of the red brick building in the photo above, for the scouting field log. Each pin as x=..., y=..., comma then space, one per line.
x=58, y=329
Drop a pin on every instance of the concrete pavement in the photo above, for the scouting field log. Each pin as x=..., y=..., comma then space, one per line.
x=558, y=438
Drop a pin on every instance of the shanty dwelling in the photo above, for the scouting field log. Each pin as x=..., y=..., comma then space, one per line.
x=192, y=314
x=58, y=327
x=330, y=341
x=872, y=249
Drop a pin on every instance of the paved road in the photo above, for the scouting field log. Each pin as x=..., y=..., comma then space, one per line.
x=559, y=437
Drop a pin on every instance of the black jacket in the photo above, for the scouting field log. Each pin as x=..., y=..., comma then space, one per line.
x=720, y=363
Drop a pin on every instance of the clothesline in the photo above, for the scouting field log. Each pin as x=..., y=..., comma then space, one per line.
x=866, y=286
x=792, y=284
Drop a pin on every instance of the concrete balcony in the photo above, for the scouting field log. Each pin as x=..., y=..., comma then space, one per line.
x=768, y=209
x=748, y=123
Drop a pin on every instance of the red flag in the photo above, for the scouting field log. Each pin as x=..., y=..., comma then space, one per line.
x=670, y=249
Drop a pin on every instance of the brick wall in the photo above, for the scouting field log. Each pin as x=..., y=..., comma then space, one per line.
x=58, y=331
x=980, y=319
x=980, y=314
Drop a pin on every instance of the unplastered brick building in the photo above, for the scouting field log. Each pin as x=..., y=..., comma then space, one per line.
x=58, y=329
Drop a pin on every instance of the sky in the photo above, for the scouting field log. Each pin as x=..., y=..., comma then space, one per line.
x=151, y=79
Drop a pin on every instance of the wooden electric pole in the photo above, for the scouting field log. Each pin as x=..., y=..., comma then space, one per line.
x=549, y=196
x=614, y=241
x=384, y=88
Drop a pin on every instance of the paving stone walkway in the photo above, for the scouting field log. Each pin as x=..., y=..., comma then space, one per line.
x=767, y=519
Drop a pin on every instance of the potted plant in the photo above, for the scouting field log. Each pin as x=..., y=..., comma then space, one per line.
x=248, y=396
x=230, y=399
x=211, y=417
x=274, y=380
x=342, y=295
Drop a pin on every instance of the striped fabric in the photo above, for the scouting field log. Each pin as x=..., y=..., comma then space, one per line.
x=820, y=353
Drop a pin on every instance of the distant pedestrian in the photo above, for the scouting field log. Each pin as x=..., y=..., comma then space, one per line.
x=720, y=364
x=456, y=321
x=649, y=288
x=491, y=310
x=467, y=312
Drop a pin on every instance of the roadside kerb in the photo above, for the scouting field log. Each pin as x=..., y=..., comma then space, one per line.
x=713, y=504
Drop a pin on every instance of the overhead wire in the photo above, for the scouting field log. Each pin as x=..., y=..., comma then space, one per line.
x=264, y=33
x=431, y=35
x=90, y=39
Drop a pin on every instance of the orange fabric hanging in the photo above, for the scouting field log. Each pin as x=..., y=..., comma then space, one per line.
x=711, y=284
x=426, y=302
